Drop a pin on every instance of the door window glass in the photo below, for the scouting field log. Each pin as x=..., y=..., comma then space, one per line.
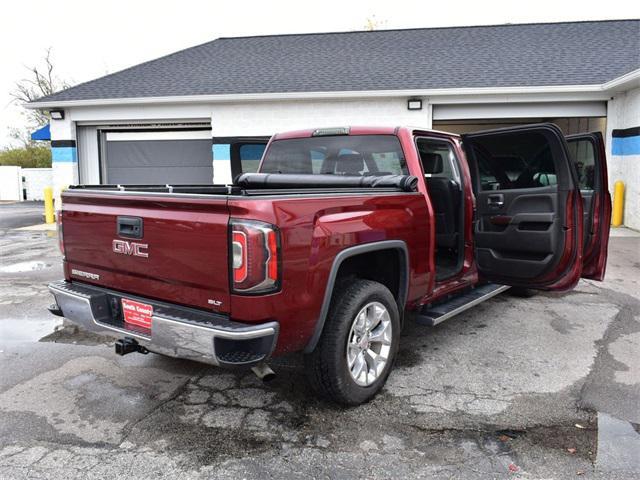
x=583, y=155
x=250, y=155
x=514, y=161
x=438, y=159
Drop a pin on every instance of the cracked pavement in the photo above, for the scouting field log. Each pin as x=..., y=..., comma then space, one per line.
x=506, y=390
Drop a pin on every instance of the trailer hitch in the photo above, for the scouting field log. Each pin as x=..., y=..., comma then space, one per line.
x=129, y=345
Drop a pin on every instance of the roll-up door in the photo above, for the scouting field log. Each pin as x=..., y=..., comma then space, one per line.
x=157, y=157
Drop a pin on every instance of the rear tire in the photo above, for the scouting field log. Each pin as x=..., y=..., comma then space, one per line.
x=358, y=346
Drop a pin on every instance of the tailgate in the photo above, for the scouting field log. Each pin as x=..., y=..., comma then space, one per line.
x=180, y=256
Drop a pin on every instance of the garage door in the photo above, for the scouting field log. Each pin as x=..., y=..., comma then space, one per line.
x=152, y=157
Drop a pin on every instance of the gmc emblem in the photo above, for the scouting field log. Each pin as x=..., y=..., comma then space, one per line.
x=131, y=248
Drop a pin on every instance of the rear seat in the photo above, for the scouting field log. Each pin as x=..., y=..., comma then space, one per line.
x=445, y=199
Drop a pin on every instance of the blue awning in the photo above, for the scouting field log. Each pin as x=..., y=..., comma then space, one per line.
x=42, y=133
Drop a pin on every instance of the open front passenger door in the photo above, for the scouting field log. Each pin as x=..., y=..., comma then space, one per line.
x=528, y=222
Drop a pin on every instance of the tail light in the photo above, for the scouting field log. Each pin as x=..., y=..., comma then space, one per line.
x=255, y=257
x=60, y=235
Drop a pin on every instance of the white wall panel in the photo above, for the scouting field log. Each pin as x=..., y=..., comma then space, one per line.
x=10, y=183
x=36, y=180
x=519, y=110
x=159, y=135
x=88, y=157
x=267, y=118
x=140, y=113
x=624, y=112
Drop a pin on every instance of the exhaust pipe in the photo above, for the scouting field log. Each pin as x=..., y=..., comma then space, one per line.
x=263, y=372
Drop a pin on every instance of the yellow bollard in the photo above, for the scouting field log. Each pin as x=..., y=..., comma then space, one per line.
x=618, y=203
x=48, y=205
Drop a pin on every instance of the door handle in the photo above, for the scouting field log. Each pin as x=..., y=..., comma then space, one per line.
x=496, y=200
x=130, y=227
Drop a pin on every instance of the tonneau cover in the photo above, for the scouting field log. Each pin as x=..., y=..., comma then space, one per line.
x=406, y=183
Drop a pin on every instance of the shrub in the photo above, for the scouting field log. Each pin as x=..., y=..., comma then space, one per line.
x=27, y=157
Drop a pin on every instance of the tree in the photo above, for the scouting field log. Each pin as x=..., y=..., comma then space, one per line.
x=41, y=81
x=36, y=156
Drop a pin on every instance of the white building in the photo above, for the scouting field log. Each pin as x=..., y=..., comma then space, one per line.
x=202, y=114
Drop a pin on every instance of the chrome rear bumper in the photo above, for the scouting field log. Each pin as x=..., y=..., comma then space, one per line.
x=176, y=331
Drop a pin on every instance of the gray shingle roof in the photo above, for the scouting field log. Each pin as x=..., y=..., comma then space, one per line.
x=577, y=53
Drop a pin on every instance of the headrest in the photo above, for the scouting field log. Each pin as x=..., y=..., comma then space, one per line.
x=432, y=162
x=350, y=163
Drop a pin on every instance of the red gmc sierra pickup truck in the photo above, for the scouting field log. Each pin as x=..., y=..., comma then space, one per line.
x=340, y=233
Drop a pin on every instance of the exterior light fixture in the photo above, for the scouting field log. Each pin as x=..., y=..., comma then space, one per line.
x=57, y=114
x=414, y=104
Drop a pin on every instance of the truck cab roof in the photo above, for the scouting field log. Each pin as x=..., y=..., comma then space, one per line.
x=356, y=130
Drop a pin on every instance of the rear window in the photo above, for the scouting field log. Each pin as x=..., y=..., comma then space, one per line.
x=337, y=155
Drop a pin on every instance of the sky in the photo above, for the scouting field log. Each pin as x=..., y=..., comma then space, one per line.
x=89, y=39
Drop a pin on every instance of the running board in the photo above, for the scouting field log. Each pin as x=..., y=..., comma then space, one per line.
x=436, y=314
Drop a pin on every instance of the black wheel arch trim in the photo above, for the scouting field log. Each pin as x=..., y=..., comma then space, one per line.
x=403, y=285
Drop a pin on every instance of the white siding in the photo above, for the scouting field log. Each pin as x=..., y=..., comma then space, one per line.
x=519, y=110
x=64, y=173
x=624, y=112
x=88, y=159
x=36, y=180
x=10, y=183
x=267, y=118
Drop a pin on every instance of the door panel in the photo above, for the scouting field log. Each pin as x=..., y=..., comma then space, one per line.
x=587, y=217
x=528, y=212
x=522, y=234
x=589, y=160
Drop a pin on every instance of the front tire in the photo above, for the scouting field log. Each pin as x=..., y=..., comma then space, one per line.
x=358, y=346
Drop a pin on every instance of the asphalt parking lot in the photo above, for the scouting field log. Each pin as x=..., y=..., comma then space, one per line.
x=544, y=387
x=20, y=214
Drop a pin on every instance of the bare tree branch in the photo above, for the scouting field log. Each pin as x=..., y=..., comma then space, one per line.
x=41, y=81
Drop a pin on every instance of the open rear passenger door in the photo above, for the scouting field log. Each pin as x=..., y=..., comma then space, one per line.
x=528, y=222
x=589, y=159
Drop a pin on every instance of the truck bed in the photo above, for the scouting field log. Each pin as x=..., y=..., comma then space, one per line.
x=181, y=251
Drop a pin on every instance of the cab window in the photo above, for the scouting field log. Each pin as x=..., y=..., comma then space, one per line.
x=337, y=155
